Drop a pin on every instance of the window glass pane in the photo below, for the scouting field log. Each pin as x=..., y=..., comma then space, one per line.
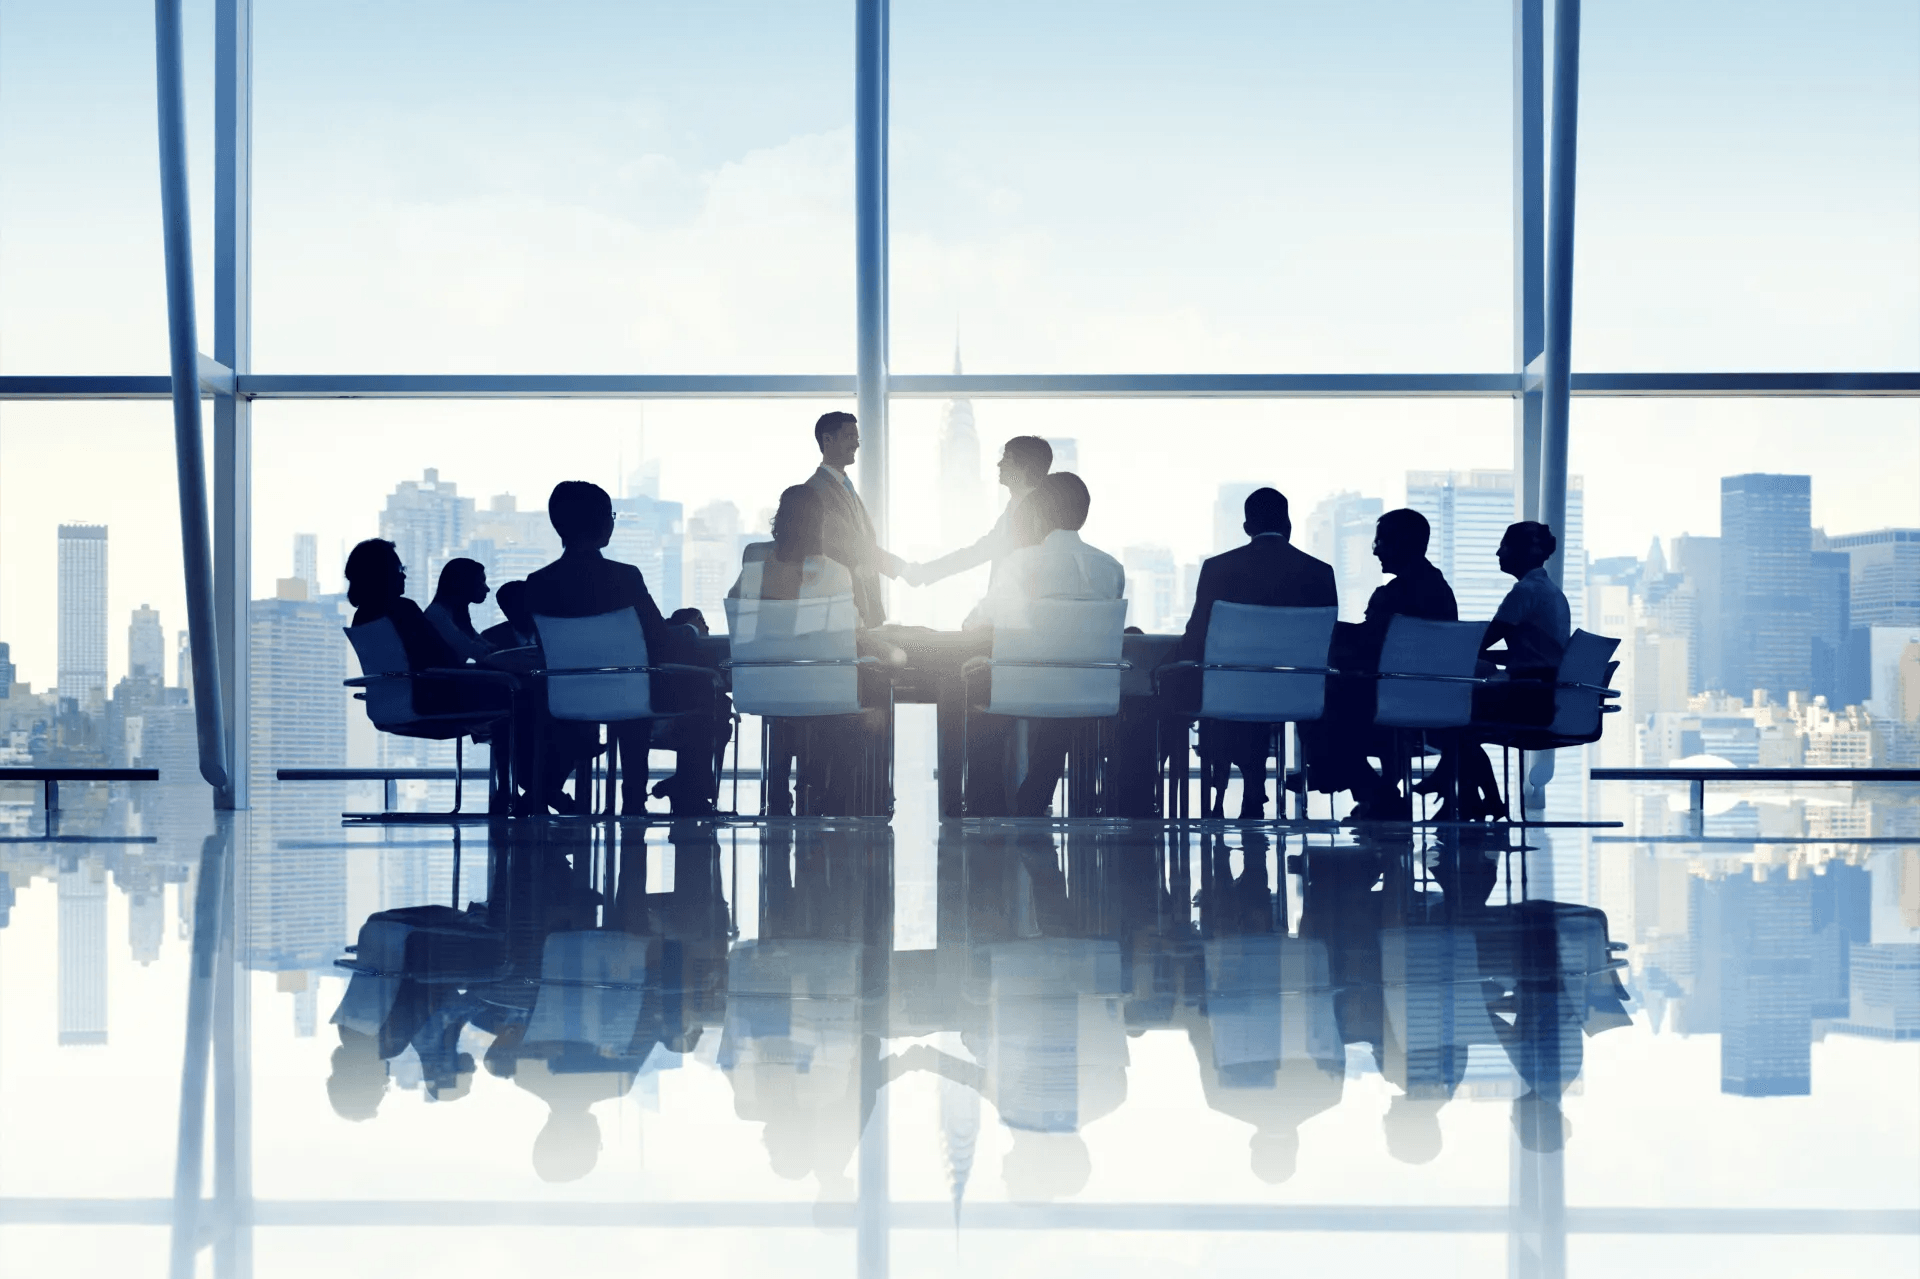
x=1776, y=546
x=1168, y=478
x=597, y=187
x=1749, y=186
x=82, y=279
x=1220, y=186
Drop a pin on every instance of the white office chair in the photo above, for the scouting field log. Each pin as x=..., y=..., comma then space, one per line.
x=1060, y=660
x=1581, y=698
x=389, y=689
x=1426, y=680
x=597, y=671
x=592, y=992
x=1261, y=666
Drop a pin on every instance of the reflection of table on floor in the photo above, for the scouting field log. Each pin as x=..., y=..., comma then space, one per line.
x=932, y=675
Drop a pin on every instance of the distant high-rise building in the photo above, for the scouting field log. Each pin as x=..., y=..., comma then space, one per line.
x=712, y=559
x=183, y=662
x=963, y=496
x=1230, y=512
x=6, y=670
x=83, y=611
x=511, y=543
x=1885, y=991
x=1766, y=564
x=1696, y=560
x=1829, y=578
x=648, y=533
x=1340, y=531
x=146, y=646
x=1066, y=453
x=1766, y=985
x=427, y=521
x=296, y=714
x=1885, y=573
x=82, y=976
x=1470, y=512
x=1153, y=589
x=306, y=562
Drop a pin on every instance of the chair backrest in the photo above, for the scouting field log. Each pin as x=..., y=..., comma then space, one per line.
x=1063, y=631
x=592, y=989
x=1416, y=646
x=587, y=643
x=1248, y=635
x=377, y=646
x=796, y=631
x=1577, y=712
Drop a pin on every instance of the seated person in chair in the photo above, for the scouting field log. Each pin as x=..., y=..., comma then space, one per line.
x=517, y=630
x=376, y=585
x=1534, y=623
x=1269, y=572
x=463, y=583
x=793, y=566
x=585, y=583
x=1052, y=563
x=1340, y=743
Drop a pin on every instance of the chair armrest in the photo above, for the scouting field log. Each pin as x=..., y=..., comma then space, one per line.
x=807, y=661
x=468, y=673
x=1164, y=667
x=1442, y=679
x=1065, y=666
x=1590, y=688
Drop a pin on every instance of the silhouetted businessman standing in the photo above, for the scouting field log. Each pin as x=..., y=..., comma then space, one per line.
x=1271, y=572
x=850, y=535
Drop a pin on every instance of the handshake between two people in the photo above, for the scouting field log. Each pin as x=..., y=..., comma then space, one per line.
x=905, y=570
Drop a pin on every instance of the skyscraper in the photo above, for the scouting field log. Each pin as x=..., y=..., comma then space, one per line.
x=306, y=562
x=712, y=560
x=1694, y=609
x=647, y=533
x=146, y=646
x=1469, y=512
x=83, y=611
x=1340, y=531
x=6, y=670
x=963, y=497
x=1829, y=583
x=1153, y=589
x=297, y=713
x=1885, y=573
x=1766, y=985
x=82, y=977
x=1766, y=564
x=427, y=521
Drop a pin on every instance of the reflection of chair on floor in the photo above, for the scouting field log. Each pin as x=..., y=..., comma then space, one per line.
x=598, y=672
x=1426, y=686
x=1264, y=668
x=795, y=663
x=434, y=705
x=592, y=993
x=1063, y=669
x=1581, y=695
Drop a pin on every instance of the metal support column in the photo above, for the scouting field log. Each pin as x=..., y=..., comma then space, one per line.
x=1559, y=367
x=870, y=251
x=1529, y=250
x=232, y=347
x=184, y=363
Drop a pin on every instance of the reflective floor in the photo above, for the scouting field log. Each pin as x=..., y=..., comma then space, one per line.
x=915, y=1048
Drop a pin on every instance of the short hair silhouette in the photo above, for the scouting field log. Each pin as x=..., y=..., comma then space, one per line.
x=1266, y=512
x=1404, y=528
x=568, y=1146
x=580, y=512
x=359, y=1078
x=1532, y=539
x=1065, y=501
x=374, y=573
x=828, y=423
x=1274, y=1155
x=689, y=617
x=1031, y=452
x=512, y=599
x=1412, y=1126
x=799, y=524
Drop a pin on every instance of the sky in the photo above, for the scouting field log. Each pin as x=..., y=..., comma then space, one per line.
x=1077, y=187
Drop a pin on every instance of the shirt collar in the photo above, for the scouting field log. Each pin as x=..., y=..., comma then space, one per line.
x=1270, y=533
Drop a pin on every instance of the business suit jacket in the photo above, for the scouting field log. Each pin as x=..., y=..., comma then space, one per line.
x=1268, y=571
x=852, y=541
x=585, y=583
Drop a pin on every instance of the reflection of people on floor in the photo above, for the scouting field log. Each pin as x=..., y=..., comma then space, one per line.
x=1268, y=1042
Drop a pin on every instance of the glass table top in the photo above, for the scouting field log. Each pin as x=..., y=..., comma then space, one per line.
x=941, y=1048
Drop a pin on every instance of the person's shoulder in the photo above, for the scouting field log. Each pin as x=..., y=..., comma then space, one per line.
x=756, y=552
